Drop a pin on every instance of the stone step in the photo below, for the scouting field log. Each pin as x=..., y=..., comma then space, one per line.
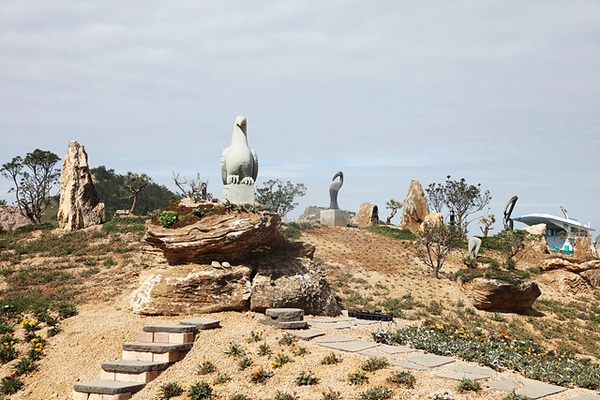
x=170, y=328
x=201, y=323
x=285, y=314
x=105, y=389
x=154, y=352
x=284, y=324
x=132, y=370
x=168, y=334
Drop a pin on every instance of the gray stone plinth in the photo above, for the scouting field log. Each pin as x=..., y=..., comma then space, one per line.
x=243, y=194
x=134, y=367
x=156, y=347
x=201, y=323
x=285, y=314
x=170, y=328
x=334, y=218
x=536, y=389
x=431, y=360
x=108, y=387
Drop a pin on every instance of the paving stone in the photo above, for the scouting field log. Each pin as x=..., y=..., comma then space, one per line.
x=156, y=347
x=285, y=314
x=366, y=322
x=108, y=387
x=307, y=334
x=587, y=396
x=503, y=385
x=284, y=324
x=386, y=348
x=373, y=353
x=431, y=360
x=133, y=367
x=409, y=365
x=202, y=323
x=335, y=339
x=474, y=370
x=329, y=320
x=170, y=328
x=536, y=389
x=457, y=376
x=335, y=325
x=352, y=347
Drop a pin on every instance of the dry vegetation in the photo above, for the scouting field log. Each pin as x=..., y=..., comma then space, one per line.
x=97, y=268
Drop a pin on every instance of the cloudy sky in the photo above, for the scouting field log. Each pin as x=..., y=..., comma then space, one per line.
x=502, y=93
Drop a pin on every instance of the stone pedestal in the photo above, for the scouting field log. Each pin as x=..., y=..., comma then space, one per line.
x=334, y=218
x=239, y=193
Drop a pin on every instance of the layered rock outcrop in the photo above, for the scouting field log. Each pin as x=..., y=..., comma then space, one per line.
x=11, y=218
x=367, y=215
x=495, y=294
x=79, y=205
x=415, y=207
x=229, y=261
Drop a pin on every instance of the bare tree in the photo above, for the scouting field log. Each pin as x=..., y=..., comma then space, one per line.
x=136, y=183
x=194, y=189
x=436, y=241
x=487, y=222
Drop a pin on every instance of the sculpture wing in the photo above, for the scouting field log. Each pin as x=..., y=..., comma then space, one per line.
x=254, y=164
x=224, y=166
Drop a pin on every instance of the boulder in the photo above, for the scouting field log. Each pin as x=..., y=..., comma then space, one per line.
x=367, y=215
x=434, y=218
x=415, y=207
x=192, y=289
x=231, y=236
x=566, y=265
x=565, y=282
x=79, y=205
x=229, y=261
x=537, y=238
x=592, y=277
x=584, y=248
x=11, y=218
x=495, y=294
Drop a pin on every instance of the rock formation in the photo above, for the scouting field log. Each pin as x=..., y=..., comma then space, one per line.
x=415, y=207
x=11, y=218
x=229, y=261
x=435, y=218
x=566, y=282
x=367, y=215
x=584, y=248
x=79, y=205
x=495, y=294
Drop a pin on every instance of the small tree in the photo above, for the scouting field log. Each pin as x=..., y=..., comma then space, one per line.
x=438, y=241
x=136, y=183
x=34, y=177
x=487, y=222
x=197, y=187
x=394, y=206
x=511, y=243
x=279, y=198
x=460, y=198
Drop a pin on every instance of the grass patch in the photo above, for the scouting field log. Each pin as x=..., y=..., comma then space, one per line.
x=393, y=233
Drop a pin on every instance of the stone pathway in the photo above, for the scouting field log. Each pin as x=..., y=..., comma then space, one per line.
x=442, y=367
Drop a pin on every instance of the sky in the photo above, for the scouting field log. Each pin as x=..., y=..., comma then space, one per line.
x=501, y=93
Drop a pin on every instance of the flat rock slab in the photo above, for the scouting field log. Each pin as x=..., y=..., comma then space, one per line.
x=474, y=370
x=352, y=347
x=134, y=367
x=336, y=339
x=431, y=360
x=201, y=323
x=386, y=348
x=108, y=387
x=284, y=324
x=409, y=365
x=587, y=396
x=285, y=314
x=335, y=325
x=457, y=376
x=156, y=347
x=170, y=328
x=307, y=334
x=367, y=322
x=536, y=389
x=373, y=353
x=505, y=386
x=330, y=320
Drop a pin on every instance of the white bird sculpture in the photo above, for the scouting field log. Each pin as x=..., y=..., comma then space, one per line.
x=239, y=163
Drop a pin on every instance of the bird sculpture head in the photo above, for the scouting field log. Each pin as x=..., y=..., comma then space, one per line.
x=240, y=122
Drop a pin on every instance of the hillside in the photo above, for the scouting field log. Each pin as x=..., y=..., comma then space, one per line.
x=96, y=270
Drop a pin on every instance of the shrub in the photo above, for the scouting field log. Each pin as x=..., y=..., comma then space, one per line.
x=404, y=378
x=24, y=366
x=288, y=339
x=167, y=218
x=331, y=359
x=357, y=378
x=7, y=348
x=264, y=349
x=200, y=391
x=331, y=395
x=66, y=310
x=206, y=367
x=469, y=385
x=376, y=393
x=394, y=233
x=239, y=396
x=244, y=362
x=235, y=349
x=280, y=359
x=221, y=378
x=170, y=389
x=254, y=337
x=306, y=378
x=279, y=395
x=10, y=384
x=260, y=375
x=374, y=363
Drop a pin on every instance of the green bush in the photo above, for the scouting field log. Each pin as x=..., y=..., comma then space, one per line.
x=167, y=218
x=170, y=389
x=200, y=391
x=393, y=233
x=376, y=393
